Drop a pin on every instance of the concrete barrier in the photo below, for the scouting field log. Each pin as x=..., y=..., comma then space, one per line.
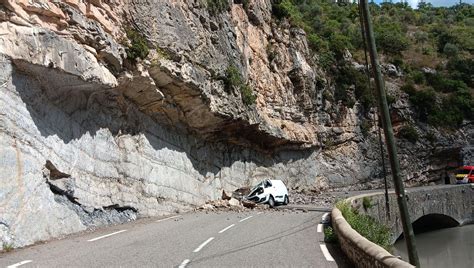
x=359, y=249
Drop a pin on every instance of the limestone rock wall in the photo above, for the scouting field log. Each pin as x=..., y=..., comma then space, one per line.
x=89, y=137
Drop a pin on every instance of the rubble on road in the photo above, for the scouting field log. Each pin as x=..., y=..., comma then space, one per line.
x=232, y=204
x=226, y=196
x=241, y=192
x=235, y=201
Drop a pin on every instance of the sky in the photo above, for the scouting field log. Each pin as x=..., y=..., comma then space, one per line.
x=414, y=3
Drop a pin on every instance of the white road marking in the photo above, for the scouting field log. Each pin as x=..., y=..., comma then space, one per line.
x=320, y=228
x=259, y=213
x=226, y=228
x=203, y=244
x=244, y=219
x=104, y=236
x=169, y=218
x=326, y=253
x=184, y=263
x=19, y=264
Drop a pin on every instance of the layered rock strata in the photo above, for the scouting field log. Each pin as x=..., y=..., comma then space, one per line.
x=89, y=137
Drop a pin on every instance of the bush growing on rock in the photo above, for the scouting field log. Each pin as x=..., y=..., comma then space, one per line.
x=247, y=94
x=409, y=133
x=233, y=79
x=217, y=6
x=138, y=47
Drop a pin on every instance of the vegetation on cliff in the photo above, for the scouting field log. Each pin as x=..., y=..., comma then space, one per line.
x=233, y=79
x=432, y=46
x=137, y=48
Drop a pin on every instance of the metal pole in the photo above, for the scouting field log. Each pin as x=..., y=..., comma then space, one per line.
x=376, y=121
x=390, y=139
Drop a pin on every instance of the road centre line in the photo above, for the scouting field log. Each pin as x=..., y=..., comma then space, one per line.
x=104, y=236
x=244, y=219
x=203, y=244
x=169, y=218
x=226, y=228
x=320, y=228
x=19, y=264
x=326, y=253
x=184, y=263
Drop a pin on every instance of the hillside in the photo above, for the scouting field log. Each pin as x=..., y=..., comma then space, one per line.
x=431, y=48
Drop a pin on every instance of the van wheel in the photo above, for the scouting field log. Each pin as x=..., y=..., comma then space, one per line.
x=286, y=201
x=271, y=202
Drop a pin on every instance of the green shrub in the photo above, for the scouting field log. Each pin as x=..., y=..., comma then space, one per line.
x=217, y=6
x=450, y=50
x=390, y=99
x=346, y=76
x=390, y=37
x=443, y=84
x=233, y=79
x=138, y=47
x=163, y=54
x=418, y=77
x=247, y=94
x=286, y=9
x=329, y=235
x=409, y=133
x=7, y=247
x=424, y=101
x=461, y=69
x=367, y=202
x=366, y=226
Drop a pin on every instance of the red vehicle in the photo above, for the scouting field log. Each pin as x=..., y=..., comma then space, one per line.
x=465, y=174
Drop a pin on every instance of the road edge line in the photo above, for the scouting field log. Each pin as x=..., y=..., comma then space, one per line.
x=244, y=219
x=19, y=264
x=169, y=218
x=203, y=244
x=104, y=236
x=320, y=228
x=184, y=263
x=326, y=253
x=226, y=228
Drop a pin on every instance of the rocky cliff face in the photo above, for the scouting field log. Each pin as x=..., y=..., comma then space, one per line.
x=89, y=137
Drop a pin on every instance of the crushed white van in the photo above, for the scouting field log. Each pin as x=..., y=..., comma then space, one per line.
x=269, y=192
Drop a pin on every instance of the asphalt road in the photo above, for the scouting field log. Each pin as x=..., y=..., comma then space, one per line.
x=272, y=238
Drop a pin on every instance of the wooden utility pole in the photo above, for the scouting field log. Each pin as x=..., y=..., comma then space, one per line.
x=390, y=139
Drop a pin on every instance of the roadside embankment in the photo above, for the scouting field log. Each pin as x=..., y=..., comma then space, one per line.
x=359, y=249
x=446, y=206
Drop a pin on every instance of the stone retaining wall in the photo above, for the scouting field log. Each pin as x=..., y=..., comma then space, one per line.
x=358, y=249
x=449, y=201
x=454, y=201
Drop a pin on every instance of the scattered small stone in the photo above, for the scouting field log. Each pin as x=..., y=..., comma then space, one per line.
x=225, y=196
